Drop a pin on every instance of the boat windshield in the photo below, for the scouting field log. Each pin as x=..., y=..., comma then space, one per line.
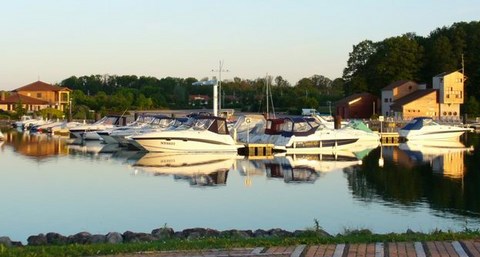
x=429, y=122
x=418, y=123
x=202, y=124
x=301, y=127
x=108, y=120
x=161, y=122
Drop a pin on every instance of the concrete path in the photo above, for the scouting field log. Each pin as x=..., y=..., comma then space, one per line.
x=464, y=248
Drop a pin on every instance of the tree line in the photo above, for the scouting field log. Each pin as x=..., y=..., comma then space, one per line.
x=370, y=67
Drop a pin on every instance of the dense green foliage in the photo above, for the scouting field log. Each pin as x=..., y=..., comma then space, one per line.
x=118, y=93
x=370, y=67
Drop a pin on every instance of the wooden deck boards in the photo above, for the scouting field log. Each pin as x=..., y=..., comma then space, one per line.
x=465, y=248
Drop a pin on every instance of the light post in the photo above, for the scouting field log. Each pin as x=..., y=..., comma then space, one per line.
x=70, y=109
x=381, y=161
x=220, y=70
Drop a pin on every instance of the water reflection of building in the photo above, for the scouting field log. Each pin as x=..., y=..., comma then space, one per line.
x=37, y=146
x=198, y=169
x=446, y=158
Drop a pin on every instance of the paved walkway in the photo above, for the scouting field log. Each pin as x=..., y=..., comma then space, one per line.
x=463, y=248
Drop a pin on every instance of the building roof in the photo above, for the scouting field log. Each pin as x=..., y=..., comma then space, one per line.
x=40, y=86
x=353, y=97
x=397, y=84
x=18, y=98
x=443, y=74
x=410, y=98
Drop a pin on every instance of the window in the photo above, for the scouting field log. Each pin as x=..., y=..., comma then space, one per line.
x=444, y=113
x=450, y=113
x=390, y=100
x=39, y=95
x=448, y=95
x=386, y=100
x=64, y=97
x=455, y=113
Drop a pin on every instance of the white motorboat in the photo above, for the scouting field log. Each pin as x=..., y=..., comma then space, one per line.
x=424, y=128
x=89, y=131
x=26, y=121
x=305, y=135
x=203, y=134
x=360, y=129
x=143, y=124
x=45, y=128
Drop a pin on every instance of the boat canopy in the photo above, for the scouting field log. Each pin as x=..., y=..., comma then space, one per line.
x=418, y=123
x=299, y=126
x=360, y=125
x=214, y=124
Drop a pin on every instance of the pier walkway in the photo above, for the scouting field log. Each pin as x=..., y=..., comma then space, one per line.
x=461, y=248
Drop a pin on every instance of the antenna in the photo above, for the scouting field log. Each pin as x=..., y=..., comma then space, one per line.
x=220, y=70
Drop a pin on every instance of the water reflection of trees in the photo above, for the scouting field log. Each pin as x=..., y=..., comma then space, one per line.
x=408, y=183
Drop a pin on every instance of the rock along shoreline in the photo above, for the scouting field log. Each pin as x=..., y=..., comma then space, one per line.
x=158, y=234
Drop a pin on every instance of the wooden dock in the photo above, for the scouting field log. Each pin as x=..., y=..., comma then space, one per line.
x=390, y=138
x=257, y=150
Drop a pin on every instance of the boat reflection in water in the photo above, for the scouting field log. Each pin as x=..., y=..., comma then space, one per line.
x=199, y=169
x=35, y=146
x=446, y=157
x=298, y=168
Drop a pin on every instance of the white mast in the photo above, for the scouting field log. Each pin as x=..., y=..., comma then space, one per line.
x=266, y=93
x=215, y=98
x=219, y=84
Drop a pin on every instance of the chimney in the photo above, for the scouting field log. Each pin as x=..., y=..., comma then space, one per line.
x=2, y=96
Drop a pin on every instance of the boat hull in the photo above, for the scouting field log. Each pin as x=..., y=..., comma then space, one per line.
x=450, y=134
x=186, y=141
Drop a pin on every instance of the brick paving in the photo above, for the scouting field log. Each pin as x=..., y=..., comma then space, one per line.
x=465, y=248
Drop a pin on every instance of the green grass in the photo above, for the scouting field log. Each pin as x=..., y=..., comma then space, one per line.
x=310, y=237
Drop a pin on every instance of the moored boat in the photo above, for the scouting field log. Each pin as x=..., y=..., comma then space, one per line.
x=203, y=134
x=424, y=128
x=304, y=135
x=89, y=131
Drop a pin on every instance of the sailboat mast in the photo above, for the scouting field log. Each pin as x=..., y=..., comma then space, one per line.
x=266, y=94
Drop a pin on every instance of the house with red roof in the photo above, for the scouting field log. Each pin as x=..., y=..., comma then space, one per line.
x=36, y=96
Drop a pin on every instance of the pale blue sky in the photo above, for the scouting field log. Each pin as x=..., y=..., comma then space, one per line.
x=55, y=39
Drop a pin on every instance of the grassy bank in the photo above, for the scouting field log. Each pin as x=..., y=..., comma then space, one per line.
x=308, y=238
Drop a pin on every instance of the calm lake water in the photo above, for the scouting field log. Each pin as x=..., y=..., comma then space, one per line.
x=48, y=185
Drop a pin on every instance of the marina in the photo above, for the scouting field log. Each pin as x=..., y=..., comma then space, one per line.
x=85, y=187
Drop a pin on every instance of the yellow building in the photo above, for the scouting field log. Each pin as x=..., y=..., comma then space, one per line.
x=37, y=96
x=450, y=88
x=406, y=99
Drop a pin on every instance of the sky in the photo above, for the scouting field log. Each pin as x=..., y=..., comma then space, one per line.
x=51, y=40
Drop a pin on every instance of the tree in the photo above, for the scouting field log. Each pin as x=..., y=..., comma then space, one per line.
x=396, y=58
x=358, y=58
x=280, y=82
x=472, y=107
